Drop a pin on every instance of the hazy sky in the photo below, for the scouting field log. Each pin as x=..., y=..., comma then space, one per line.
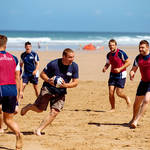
x=76, y=15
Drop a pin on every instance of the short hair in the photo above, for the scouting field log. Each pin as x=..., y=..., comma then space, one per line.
x=112, y=41
x=27, y=43
x=3, y=40
x=144, y=42
x=66, y=51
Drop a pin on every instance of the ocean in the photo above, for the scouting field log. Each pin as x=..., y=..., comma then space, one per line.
x=46, y=40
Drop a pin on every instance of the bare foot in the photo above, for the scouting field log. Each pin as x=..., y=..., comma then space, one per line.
x=1, y=131
x=19, y=142
x=133, y=125
x=25, y=109
x=37, y=132
x=112, y=110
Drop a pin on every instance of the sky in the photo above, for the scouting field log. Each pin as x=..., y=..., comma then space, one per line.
x=76, y=15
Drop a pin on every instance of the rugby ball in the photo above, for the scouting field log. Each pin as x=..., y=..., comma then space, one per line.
x=58, y=81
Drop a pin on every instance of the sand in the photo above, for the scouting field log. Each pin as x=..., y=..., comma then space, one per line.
x=84, y=123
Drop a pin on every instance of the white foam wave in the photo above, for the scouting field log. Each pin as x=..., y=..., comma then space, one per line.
x=32, y=40
x=121, y=40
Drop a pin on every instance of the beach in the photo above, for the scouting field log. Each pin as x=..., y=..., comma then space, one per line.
x=84, y=123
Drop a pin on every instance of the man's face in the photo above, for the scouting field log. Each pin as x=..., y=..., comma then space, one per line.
x=68, y=59
x=143, y=49
x=112, y=46
x=28, y=48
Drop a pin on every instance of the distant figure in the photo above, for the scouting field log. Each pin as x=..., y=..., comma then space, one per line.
x=39, y=46
x=68, y=70
x=142, y=61
x=30, y=60
x=9, y=89
x=119, y=61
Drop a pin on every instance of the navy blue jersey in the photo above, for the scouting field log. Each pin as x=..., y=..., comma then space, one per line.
x=29, y=60
x=9, y=90
x=57, y=68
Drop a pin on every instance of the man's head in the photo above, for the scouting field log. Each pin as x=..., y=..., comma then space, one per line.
x=3, y=42
x=28, y=47
x=112, y=45
x=67, y=56
x=144, y=47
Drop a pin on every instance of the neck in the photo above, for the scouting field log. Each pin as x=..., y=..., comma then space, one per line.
x=2, y=49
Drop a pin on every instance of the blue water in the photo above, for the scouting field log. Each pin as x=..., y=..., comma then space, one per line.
x=75, y=40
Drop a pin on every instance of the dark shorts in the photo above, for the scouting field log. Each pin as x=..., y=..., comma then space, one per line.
x=143, y=88
x=56, y=101
x=8, y=103
x=120, y=83
x=32, y=79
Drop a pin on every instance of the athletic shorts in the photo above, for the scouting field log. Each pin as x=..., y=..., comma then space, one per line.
x=120, y=83
x=8, y=103
x=143, y=88
x=56, y=101
x=32, y=79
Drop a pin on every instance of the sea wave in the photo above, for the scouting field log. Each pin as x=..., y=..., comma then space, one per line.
x=121, y=40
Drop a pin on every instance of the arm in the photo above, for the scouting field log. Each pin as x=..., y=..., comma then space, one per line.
x=17, y=78
x=72, y=84
x=105, y=67
x=21, y=64
x=132, y=72
x=36, y=68
x=126, y=64
x=44, y=76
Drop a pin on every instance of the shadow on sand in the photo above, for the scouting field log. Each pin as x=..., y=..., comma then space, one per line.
x=109, y=124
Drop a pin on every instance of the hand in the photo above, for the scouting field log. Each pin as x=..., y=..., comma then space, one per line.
x=131, y=74
x=63, y=85
x=104, y=69
x=51, y=81
x=21, y=95
x=34, y=72
x=117, y=70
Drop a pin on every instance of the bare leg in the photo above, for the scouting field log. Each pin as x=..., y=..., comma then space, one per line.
x=28, y=107
x=121, y=94
x=36, y=89
x=46, y=121
x=112, y=97
x=23, y=87
x=8, y=119
x=1, y=120
x=142, y=109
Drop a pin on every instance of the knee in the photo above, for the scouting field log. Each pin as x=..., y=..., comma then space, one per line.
x=118, y=93
x=54, y=112
x=6, y=120
x=146, y=101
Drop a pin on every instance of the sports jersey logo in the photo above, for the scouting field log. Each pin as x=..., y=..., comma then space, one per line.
x=31, y=57
x=5, y=58
x=69, y=73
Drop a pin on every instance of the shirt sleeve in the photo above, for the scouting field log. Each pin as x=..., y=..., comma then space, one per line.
x=123, y=55
x=49, y=69
x=75, y=74
x=107, y=59
x=36, y=58
x=135, y=63
x=17, y=63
